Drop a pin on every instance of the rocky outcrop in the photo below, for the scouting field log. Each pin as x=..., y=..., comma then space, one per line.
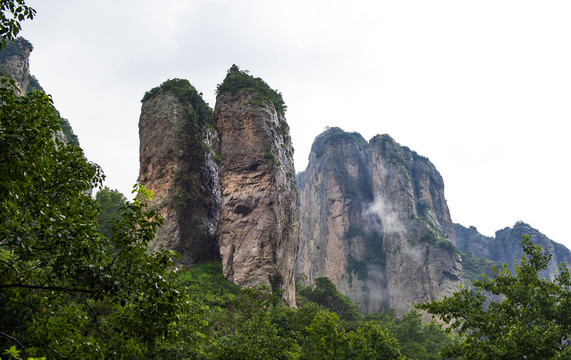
x=470, y=240
x=506, y=246
x=224, y=182
x=178, y=163
x=14, y=61
x=258, y=217
x=373, y=218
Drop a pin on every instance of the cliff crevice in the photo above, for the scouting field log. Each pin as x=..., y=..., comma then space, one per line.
x=178, y=148
x=223, y=180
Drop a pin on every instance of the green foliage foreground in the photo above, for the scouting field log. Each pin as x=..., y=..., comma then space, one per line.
x=531, y=319
x=66, y=289
x=253, y=324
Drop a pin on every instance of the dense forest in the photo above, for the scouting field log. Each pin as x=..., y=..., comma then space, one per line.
x=77, y=281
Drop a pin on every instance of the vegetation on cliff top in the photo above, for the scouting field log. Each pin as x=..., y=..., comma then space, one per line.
x=335, y=134
x=237, y=80
x=185, y=93
x=14, y=48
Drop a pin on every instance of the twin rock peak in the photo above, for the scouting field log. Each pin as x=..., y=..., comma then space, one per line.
x=372, y=215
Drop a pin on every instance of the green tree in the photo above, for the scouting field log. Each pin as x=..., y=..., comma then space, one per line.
x=324, y=293
x=418, y=341
x=61, y=291
x=370, y=342
x=531, y=321
x=112, y=204
x=255, y=336
x=325, y=341
x=12, y=13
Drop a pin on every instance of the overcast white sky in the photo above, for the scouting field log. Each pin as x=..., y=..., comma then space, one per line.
x=481, y=88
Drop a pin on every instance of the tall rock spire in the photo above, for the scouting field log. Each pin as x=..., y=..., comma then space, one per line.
x=178, y=162
x=225, y=184
x=258, y=236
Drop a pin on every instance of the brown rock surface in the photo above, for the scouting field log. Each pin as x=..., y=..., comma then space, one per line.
x=258, y=218
x=177, y=152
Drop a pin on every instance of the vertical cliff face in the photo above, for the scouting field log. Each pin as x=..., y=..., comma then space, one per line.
x=421, y=263
x=374, y=219
x=258, y=217
x=178, y=147
x=338, y=238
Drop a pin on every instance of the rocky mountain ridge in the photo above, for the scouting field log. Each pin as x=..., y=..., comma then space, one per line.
x=373, y=218
x=505, y=247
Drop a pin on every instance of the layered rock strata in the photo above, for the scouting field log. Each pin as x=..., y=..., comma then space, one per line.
x=373, y=218
x=258, y=217
x=178, y=163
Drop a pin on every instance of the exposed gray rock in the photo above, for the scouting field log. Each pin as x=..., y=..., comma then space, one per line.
x=14, y=61
x=373, y=218
x=506, y=246
x=470, y=240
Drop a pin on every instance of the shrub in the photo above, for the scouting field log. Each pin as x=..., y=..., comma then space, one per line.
x=237, y=80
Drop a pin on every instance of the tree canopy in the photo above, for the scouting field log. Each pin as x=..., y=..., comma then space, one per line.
x=12, y=13
x=112, y=204
x=65, y=288
x=511, y=316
